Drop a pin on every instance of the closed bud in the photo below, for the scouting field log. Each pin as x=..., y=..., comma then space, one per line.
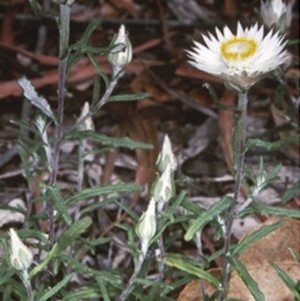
x=20, y=255
x=166, y=157
x=88, y=123
x=146, y=226
x=276, y=13
x=164, y=188
x=120, y=58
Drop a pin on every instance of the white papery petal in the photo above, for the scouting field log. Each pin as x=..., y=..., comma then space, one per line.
x=240, y=59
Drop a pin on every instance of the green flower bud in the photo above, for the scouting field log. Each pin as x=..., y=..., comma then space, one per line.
x=88, y=123
x=166, y=157
x=120, y=58
x=20, y=255
x=146, y=226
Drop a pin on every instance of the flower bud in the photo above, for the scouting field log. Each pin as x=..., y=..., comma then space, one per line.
x=146, y=226
x=164, y=188
x=120, y=58
x=20, y=255
x=276, y=13
x=88, y=123
x=166, y=157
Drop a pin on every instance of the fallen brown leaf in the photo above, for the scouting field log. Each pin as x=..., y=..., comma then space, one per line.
x=272, y=247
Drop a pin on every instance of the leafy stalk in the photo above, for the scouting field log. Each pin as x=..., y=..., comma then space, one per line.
x=239, y=139
x=64, y=31
x=137, y=269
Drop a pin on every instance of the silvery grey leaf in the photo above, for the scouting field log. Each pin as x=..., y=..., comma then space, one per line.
x=36, y=100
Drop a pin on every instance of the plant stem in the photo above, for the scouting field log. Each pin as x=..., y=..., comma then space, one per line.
x=64, y=31
x=27, y=284
x=137, y=269
x=81, y=153
x=200, y=254
x=161, y=264
x=239, y=139
x=99, y=104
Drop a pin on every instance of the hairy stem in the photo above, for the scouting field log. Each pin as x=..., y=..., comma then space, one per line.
x=81, y=154
x=27, y=284
x=161, y=264
x=64, y=31
x=137, y=269
x=200, y=258
x=239, y=139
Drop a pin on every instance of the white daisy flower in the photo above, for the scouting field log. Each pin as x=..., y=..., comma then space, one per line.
x=276, y=13
x=241, y=59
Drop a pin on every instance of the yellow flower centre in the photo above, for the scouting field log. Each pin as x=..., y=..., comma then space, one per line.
x=238, y=48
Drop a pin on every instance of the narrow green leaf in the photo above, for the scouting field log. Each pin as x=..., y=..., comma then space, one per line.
x=191, y=207
x=130, y=212
x=261, y=166
x=250, y=174
x=18, y=289
x=39, y=291
x=24, y=126
x=255, y=236
x=291, y=192
x=207, y=216
x=39, y=235
x=247, y=279
x=96, y=90
x=293, y=42
x=100, y=241
x=105, y=140
x=49, y=256
x=13, y=209
x=177, y=283
x=103, y=289
x=100, y=71
x=6, y=277
x=92, y=192
x=58, y=201
x=272, y=145
x=286, y=278
x=186, y=266
x=46, y=14
x=82, y=293
x=273, y=175
x=153, y=292
x=98, y=204
x=267, y=209
x=57, y=287
x=128, y=97
x=74, y=231
x=25, y=165
x=216, y=100
x=177, y=202
x=36, y=100
x=294, y=254
x=84, y=269
x=7, y=293
x=278, y=96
